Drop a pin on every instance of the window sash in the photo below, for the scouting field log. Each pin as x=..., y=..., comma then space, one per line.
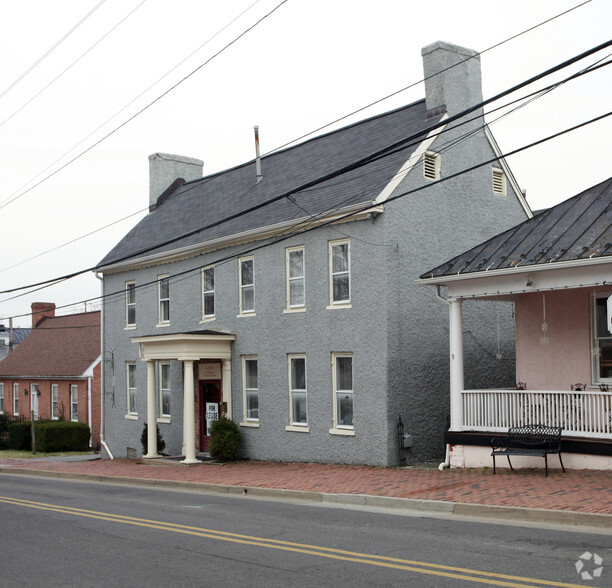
x=165, y=391
x=1, y=397
x=74, y=402
x=247, y=285
x=130, y=303
x=602, y=340
x=15, y=399
x=164, y=299
x=343, y=391
x=251, y=389
x=296, y=278
x=340, y=272
x=298, y=393
x=55, y=401
x=131, y=388
x=208, y=290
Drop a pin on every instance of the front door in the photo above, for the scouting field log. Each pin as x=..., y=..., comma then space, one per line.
x=210, y=407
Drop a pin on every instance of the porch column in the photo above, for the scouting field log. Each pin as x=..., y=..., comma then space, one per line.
x=456, y=364
x=226, y=384
x=188, y=413
x=151, y=412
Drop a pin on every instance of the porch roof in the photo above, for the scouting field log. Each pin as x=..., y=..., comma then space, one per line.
x=190, y=346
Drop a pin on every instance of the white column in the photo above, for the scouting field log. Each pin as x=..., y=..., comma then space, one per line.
x=456, y=364
x=226, y=384
x=151, y=412
x=188, y=413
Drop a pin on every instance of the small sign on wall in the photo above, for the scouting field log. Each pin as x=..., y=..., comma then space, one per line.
x=212, y=414
x=209, y=371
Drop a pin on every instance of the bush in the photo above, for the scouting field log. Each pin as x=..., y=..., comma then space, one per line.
x=20, y=436
x=144, y=439
x=62, y=436
x=225, y=438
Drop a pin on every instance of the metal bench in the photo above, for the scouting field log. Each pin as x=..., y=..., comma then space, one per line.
x=530, y=440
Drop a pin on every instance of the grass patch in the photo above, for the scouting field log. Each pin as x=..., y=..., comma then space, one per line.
x=18, y=454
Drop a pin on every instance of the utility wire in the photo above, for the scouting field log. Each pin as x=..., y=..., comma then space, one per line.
x=12, y=199
x=49, y=51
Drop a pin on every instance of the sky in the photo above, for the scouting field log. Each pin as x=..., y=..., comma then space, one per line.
x=90, y=88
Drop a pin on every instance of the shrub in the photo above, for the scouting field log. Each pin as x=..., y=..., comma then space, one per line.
x=20, y=436
x=225, y=438
x=62, y=436
x=144, y=439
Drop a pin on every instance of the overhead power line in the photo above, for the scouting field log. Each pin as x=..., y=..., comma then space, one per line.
x=53, y=48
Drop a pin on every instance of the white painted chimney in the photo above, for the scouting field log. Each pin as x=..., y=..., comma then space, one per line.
x=452, y=77
x=165, y=168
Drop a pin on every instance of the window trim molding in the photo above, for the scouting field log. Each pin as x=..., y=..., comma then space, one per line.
x=293, y=424
x=241, y=286
x=74, y=389
x=128, y=289
x=339, y=303
x=16, y=397
x=160, y=321
x=163, y=417
x=2, y=397
x=288, y=279
x=208, y=317
x=56, y=418
x=595, y=366
x=337, y=429
x=249, y=421
x=128, y=388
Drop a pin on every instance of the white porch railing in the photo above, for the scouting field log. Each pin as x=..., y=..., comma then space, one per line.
x=583, y=414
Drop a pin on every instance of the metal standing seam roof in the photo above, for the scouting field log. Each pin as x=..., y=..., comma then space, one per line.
x=64, y=346
x=577, y=229
x=215, y=197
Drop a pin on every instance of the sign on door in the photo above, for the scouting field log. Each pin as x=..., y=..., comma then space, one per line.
x=212, y=414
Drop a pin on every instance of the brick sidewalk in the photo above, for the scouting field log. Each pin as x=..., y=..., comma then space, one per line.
x=583, y=491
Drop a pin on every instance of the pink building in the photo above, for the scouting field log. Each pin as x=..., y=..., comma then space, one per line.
x=556, y=268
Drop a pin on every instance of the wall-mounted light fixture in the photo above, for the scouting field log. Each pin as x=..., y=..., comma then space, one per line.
x=25, y=391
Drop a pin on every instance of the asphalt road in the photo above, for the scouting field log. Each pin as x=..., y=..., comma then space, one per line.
x=67, y=533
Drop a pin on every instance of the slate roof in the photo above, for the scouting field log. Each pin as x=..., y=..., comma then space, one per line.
x=201, y=202
x=578, y=229
x=63, y=346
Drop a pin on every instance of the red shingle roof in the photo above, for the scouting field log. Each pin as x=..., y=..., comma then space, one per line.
x=62, y=346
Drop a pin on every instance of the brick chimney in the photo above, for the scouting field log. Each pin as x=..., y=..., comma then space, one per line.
x=458, y=83
x=164, y=169
x=40, y=311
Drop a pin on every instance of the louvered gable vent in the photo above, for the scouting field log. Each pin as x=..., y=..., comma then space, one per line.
x=431, y=165
x=499, y=182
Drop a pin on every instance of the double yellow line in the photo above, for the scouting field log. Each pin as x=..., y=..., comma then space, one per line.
x=468, y=575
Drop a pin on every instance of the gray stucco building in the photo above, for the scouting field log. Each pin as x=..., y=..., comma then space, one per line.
x=288, y=300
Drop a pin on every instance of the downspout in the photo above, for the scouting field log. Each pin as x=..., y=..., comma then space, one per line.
x=89, y=408
x=446, y=462
x=102, y=441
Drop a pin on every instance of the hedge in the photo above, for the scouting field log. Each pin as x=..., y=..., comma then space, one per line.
x=51, y=436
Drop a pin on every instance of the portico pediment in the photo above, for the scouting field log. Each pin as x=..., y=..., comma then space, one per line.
x=185, y=346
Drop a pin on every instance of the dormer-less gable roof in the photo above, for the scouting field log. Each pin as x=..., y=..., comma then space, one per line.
x=63, y=347
x=206, y=201
x=577, y=230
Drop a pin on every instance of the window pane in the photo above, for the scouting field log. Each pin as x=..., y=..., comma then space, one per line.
x=131, y=314
x=605, y=358
x=344, y=373
x=298, y=373
x=246, y=272
x=165, y=310
x=131, y=376
x=345, y=409
x=299, y=407
x=296, y=293
x=166, y=402
x=601, y=318
x=296, y=264
x=250, y=368
x=131, y=293
x=164, y=288
x=252, y=404
x=209, y=279
x=341, y=288
x=165, y=375
x=340, y=258
x=248, y=298
x=209, y=304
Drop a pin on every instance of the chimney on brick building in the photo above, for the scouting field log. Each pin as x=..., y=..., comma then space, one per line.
x=41, y=311
x=166, y=169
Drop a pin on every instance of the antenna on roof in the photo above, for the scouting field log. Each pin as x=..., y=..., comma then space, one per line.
x=257, y=157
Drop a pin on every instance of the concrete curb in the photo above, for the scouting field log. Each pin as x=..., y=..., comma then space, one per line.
x=432, y=507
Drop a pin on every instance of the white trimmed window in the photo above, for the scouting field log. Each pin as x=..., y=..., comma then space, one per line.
x=131, y=387
x=499, y=181
x=55, y=401
x=340, y=272
x=130, y=304
x=297, y=390
x=165, y=390
x=208, y=293
x=342, y=367
x=431, y=165
x=602, y=340
x=16, y=399
x=246, y=279
x=250, y=379
x=74, y=402
x=34, y=394
x=296, y=281
x=163, y=289
x=1, y=397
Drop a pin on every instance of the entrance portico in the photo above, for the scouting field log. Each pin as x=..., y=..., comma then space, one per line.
x=187, y=348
